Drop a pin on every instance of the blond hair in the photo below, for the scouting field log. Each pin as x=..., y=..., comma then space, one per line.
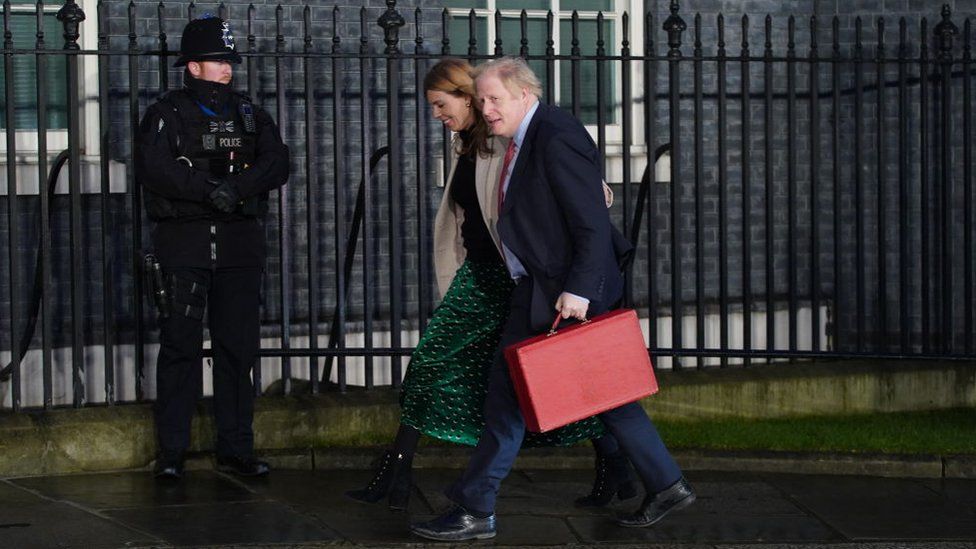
x=514, y=73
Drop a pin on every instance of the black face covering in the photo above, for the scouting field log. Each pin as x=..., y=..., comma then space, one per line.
x=212, y=95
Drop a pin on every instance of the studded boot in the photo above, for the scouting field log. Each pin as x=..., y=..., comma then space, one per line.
x=393, y=478
x=613, y=478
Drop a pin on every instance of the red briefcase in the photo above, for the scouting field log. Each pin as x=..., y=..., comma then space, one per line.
x=580, y=371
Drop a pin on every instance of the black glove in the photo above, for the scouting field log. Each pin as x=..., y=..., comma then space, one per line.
x=225, y=196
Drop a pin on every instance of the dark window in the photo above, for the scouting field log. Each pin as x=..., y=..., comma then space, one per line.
x=536, y=35
x=23, y=27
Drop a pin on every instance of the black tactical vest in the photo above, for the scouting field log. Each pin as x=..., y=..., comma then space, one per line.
x=214, y=142
x=220, y=143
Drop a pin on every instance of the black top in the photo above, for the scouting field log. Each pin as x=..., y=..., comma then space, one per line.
x=474, y=232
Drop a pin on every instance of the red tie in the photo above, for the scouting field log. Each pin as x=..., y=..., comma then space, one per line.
x=509, y=155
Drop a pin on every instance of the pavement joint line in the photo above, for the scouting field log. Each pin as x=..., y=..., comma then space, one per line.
x=804, y=508
x=90, y=511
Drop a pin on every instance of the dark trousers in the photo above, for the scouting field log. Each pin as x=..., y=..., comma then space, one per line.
x=501, y=439
x=231, y=298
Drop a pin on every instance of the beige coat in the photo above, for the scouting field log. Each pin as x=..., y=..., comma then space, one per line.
x=448, y=247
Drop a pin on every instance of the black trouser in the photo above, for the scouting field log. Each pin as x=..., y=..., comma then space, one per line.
x=231, y=299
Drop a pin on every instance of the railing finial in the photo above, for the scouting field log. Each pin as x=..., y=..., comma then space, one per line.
x=674, y=25
x=391, y=21
x=71, y=15
x=944, y=33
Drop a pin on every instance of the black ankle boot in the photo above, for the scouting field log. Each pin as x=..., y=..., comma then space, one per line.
x=392, y=477
x=613, y=478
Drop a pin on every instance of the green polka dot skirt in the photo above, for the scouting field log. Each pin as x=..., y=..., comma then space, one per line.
x=443, y=392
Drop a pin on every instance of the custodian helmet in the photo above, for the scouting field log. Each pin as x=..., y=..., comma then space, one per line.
x=208, y=38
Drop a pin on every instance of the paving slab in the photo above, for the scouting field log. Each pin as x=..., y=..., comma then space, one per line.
x=306, y=508
x=865, y=508
x=31, y=520
x=959, y=491
x=862, y=545
x=225, y=523
x=137, y=489
x=686, y=526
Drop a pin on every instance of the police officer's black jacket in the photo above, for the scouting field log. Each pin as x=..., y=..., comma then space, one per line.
x=190, y=139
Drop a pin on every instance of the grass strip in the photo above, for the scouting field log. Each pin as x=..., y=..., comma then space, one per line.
x=951, y=431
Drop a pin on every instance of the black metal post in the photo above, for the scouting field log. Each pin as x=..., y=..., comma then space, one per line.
x=601, y=99
x=627, y=108
x=499, y=49
x=650, y=137
x=163, y=48
x=138, y=327
x=311, y=203
x=390, y=22
x=674, y=25
x=423, y=270
x=723, y=197
x=791, y=182
x=71, y=16
x=574, y=63
x=923, y=121
x=768, y=181
x=904, y=211
x=838, y=309
x=550, y=59
x=45, y=199
x=365, y=138
x=339, y=208
x=945, y=33
x=967, y=181
x=699, y=192
x=472, y=34
x=815, y=165
x=13, y=213
x=859, y=257
x=746, y=193
x=284, y=211
x=882, y=252
x=252, y=86
x=108, y=242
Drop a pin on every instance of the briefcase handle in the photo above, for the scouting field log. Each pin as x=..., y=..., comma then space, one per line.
x=552, y=329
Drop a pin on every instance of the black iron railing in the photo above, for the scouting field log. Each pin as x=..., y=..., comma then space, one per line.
x=804, y=193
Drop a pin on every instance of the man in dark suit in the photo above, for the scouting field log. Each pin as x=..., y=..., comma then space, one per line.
x=558, y=245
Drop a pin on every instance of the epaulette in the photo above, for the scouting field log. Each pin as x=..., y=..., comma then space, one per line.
x=169, y=99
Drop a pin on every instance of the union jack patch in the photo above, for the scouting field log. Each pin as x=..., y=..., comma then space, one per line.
x=221, y=126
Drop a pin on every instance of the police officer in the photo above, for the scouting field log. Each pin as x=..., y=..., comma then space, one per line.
x=207, y=157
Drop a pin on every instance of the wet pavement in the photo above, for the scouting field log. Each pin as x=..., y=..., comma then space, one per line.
x=306, y=508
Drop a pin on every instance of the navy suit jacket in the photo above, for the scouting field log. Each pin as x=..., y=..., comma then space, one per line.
x=555, y=220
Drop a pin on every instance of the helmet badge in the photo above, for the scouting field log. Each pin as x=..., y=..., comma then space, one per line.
x=226, y=35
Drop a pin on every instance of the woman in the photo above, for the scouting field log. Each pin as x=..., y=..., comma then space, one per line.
x=444, y=388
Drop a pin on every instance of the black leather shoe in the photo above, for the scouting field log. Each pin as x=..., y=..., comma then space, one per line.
x=168, y=469
x=656, y=506
x=243, y=466
x=457, y=524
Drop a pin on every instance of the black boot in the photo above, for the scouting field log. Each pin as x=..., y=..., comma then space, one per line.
x=392, y=478
x=613, y=478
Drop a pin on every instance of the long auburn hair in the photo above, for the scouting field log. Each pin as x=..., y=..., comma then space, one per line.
x=454, y=76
